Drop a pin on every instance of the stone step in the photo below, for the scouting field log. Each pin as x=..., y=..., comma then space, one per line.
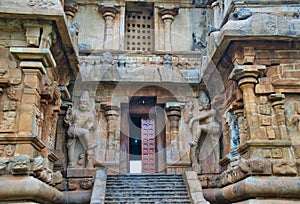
x=143, y=178
x=146, y=189
x=153, y=193
x=146, y=183
x=154, y=187
x=141, y=188
x=164, y=180
x=137, y=176
x=148, y=199
x=148, y=202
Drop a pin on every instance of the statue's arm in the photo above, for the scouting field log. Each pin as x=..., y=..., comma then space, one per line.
x=69, y=116
x=91, y=121
x=196, y=118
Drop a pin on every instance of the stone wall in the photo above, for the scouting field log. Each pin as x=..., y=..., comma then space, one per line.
x=224, y=75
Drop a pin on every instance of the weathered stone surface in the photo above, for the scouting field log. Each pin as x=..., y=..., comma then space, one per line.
x=99, y=189
x=243, y=54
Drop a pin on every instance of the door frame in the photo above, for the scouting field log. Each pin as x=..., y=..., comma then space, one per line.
x=160, y=137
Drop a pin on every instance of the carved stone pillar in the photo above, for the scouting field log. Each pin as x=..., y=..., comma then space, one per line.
x=111, y=115
x=108, y=12
x=239, y=112
x=70, y=9
x=33, y=64
x=246, y=76
x=277, y=103
x=167, y=15
x=174, y=114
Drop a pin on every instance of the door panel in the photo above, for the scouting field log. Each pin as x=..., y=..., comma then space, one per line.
x=148, y=146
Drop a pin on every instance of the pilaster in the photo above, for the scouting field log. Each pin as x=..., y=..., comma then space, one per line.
x=246, y=76
x=174, y=115
x=167, y=15
x=111, y=114
x=108, y=12
x=33, y=63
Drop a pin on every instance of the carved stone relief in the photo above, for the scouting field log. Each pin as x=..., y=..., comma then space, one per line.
x=41, y=3
x=81, y=120
x=24, y=165
x=284, y=167
x=9, y=118
x=232, y=120
x=206, y=138
x=104, y=68
x=188, y=111
x=295, y=119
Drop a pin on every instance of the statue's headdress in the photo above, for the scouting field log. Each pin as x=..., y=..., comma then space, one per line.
x=85, y=97
x=203, y=98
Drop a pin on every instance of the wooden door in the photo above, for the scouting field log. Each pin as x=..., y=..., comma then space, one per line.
x=148, y=146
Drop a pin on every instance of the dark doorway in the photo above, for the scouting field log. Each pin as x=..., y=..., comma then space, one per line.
x=135, y=138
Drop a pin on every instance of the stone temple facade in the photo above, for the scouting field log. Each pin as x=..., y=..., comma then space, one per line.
x=196, y=87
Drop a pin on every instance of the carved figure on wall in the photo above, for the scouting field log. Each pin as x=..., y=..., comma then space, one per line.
x=232, y=120
x=14, y=93
x=81, y=121
x=168, y=61
x=296, y=117
x=19, y=165
x=208, y=129
x=9, y=120
x=10, y=150
x=188, y=111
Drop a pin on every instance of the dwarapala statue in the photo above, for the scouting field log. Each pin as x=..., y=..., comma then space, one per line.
x=207, y=133
x=81, y=122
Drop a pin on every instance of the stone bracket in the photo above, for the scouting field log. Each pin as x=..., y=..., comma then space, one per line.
x=43, y=55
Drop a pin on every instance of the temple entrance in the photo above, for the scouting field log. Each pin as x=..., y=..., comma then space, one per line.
x=142, y=145
x=142, y=141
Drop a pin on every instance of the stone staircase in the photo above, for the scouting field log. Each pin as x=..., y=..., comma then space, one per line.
x=146, y=188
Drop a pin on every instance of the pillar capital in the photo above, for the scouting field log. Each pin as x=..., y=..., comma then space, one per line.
x=244, y=74
x=276, y=97
x=71, y=8
x=173, y=111
x=168, y=12
x=108, y=10
x=111, y=110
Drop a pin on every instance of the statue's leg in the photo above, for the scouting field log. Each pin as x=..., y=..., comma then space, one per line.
x=90, y=150
x=71, y=151
x=193, y=155
x=197, y=137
